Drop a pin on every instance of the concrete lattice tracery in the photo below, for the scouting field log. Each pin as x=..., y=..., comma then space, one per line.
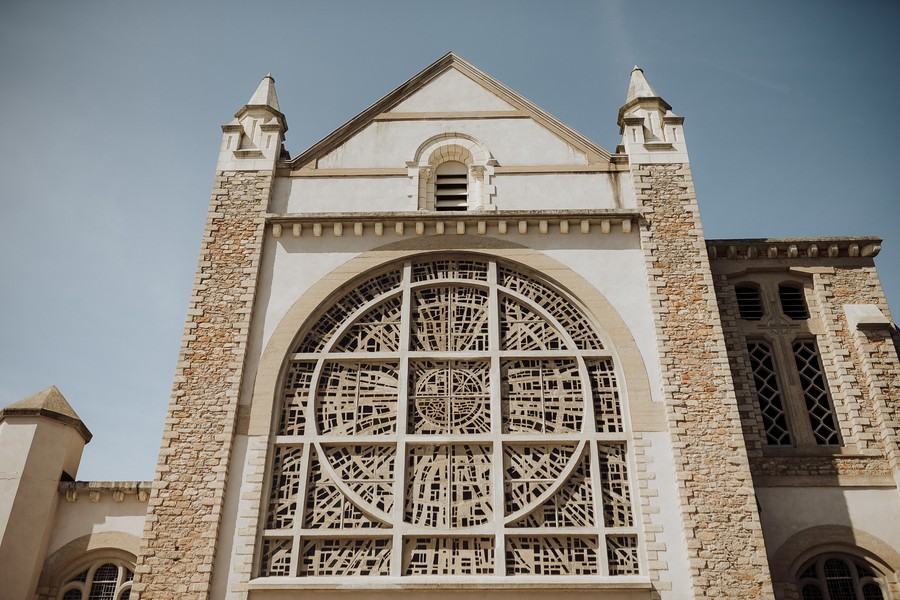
x=450, y=417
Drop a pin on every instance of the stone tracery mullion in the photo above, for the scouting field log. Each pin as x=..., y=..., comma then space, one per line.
x=590, y=421
x=396, y=568
x=496, y=421
x=301, y=505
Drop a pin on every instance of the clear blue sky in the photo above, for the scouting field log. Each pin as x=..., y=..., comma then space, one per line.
x=110, y=130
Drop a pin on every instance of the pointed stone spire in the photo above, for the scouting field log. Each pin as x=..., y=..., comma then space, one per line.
x=650, y=131
x=639, y=87
x=50, y=403
x=264, y=101
x=253, y=140
x=265, y=94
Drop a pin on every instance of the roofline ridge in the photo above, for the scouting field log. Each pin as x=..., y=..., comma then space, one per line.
x=417, y=82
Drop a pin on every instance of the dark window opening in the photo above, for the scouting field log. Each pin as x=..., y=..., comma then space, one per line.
x=749, y=303
x=451, y=186
x=793, y=305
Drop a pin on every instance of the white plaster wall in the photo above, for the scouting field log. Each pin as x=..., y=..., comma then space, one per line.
x=28, y=490
x=84, y=517
x=15, y=441
x=345, y=194
x=786, y=511
x=514, y=192
x=662, y=466
x=555, y=191
x=227, y=550
x=390, y=144
x=452, y=91
x=612, y=263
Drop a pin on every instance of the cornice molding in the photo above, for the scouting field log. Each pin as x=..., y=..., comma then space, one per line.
x=450, y=222
x=793, y=248
x=94, y=490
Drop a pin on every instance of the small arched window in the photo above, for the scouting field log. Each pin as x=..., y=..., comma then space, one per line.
x=749, y=302
x=451, y=186
x=104, y=580
x=839, y=577
x=793, y=304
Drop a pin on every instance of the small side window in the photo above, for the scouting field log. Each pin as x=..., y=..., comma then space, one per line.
x=793, y=304
x=749, y=302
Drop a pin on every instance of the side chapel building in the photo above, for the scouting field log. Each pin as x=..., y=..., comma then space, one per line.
x=457, y=350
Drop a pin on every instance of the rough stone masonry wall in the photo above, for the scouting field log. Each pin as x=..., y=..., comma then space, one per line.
x=865, y=363
x=185, y=505
x=724, y=538
x=853, y=410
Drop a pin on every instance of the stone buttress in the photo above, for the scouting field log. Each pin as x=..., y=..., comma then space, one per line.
x=721, y=524
x=185, y=507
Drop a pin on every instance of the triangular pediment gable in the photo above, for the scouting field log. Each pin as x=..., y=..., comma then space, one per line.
x=454, y=92
x=481, y=94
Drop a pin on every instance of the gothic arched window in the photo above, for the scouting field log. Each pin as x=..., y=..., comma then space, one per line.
x=839, y=577
x=450, y=416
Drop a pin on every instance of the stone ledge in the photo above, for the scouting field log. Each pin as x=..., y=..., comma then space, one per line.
x=450, y=222
x=792, y=248
x=475, y=582
x=94, y=490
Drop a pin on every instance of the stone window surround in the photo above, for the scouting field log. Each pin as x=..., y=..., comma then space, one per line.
x=91, y=562
x=780, y=333
x=802, y=547
x=452, y=147
x=851, y=560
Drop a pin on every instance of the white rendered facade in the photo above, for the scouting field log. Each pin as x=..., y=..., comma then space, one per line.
x=455, y=348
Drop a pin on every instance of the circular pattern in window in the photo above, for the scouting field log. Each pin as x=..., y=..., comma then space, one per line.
x=438, y=410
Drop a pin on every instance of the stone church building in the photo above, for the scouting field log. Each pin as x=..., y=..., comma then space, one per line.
x=457, y=350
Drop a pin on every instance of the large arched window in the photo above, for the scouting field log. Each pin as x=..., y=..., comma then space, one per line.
x=840, y=577
x=450, y=416
x=104, y=579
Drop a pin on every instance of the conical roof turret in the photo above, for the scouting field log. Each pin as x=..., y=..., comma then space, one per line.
x=641, y=93
x=264, y=98
x=50, y=403
x=639, y=87
x=265, y=94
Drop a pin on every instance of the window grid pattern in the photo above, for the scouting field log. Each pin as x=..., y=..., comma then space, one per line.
x=768, y=393
x=465, y=420
x=815, y=392
x=840, y=577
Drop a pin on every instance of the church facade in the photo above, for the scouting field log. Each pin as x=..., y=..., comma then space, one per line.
x=456, y=349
